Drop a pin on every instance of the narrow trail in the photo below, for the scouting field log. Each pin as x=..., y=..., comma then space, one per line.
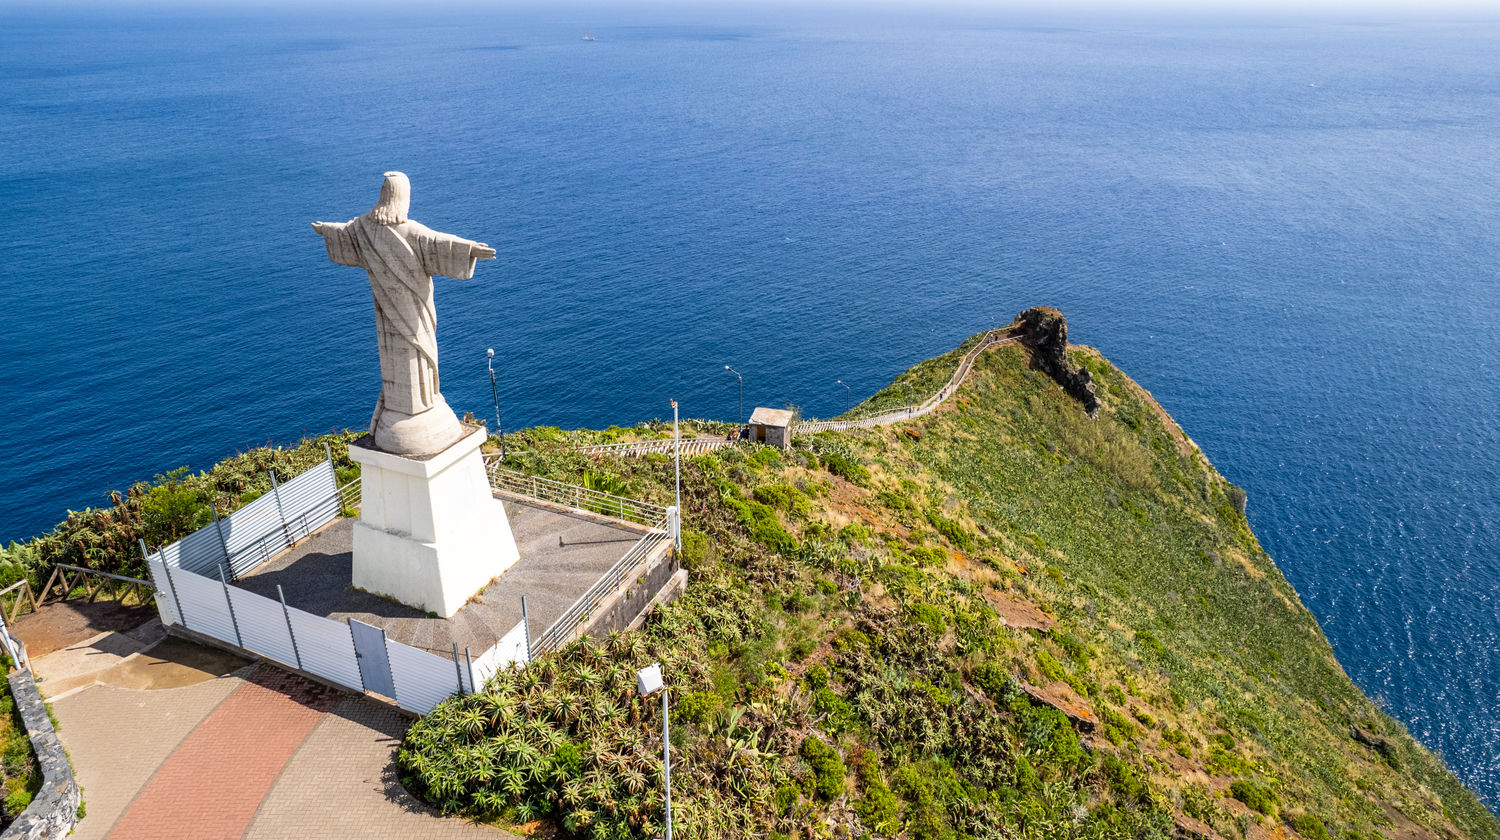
x=700, y=445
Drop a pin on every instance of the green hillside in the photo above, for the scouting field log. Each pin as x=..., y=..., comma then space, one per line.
x=1003, y=620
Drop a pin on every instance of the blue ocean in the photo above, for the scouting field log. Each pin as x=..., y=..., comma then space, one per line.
x=1288, y=231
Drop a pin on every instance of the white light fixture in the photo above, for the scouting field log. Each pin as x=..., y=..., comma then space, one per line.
x=648, y=680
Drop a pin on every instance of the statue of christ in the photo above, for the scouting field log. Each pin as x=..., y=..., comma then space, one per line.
x=401, y=256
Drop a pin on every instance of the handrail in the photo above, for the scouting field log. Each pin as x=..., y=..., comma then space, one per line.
x=658, y=446
x=110, y=581
x=994, y=338
x=572, y=495
x=26, y=592
x=562, y=629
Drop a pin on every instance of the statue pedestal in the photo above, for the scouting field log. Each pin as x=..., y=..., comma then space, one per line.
x=430, y=533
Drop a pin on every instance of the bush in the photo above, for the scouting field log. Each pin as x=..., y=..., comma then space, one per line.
x=1256, y=797
x=1310, y=827
x=695, y=546
x=927, y=616
x=846, y=468
x=878, y=809
x=828, y=769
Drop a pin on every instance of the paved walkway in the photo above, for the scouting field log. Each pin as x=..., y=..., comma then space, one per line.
x=256, y=754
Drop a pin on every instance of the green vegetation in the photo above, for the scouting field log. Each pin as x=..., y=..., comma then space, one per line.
x=20, y=777
x=841, y=669
x=164, y=510
x=844, y=665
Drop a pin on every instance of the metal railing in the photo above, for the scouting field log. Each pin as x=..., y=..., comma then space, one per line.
x=561, y=631
x=993, y=339
x=659, y=446
x=572, y=495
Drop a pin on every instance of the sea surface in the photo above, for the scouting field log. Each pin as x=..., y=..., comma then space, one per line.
x=1289, y=233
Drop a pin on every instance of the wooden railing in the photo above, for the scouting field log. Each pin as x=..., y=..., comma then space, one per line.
x=21, y=591
x=66, y=580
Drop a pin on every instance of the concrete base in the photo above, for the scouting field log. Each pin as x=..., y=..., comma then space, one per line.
x=430, y=533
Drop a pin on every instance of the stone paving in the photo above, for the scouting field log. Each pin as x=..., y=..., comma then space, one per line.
x=563, y=553
x=260, y=753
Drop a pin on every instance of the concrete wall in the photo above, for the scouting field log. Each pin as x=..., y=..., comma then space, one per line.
x=621, y=611
x=55, y=809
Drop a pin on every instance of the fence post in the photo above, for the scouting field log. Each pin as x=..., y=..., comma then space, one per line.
x=526, y=627
x=287, y=613
x=469, y=661
x=327, y=450
x=458, y=668
x=280, y=511
x=230, y=601
x=355, y=645
x=219, y=526
x=171, y=587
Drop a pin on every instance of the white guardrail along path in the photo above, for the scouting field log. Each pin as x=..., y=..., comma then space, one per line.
x=700, y=445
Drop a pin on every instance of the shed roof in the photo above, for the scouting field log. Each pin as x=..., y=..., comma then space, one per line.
x=771, y=417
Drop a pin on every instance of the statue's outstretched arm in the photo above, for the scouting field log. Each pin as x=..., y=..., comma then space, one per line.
x=340, y=242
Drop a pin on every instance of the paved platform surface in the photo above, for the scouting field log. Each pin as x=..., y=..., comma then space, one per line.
x=259, y=753
x=562, y=555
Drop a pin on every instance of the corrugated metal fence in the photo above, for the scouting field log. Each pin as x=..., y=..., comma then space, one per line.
x=262, y=529
x=320, y=646
x=192, y=578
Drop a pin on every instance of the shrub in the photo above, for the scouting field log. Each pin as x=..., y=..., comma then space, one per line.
x=846, y=468
x=695, y=546
x=878, y=808
x=1310, y=827
x=828, y=769
x=786, y=798
x=926, y=615
x=1256, y=797
x=1122, y=779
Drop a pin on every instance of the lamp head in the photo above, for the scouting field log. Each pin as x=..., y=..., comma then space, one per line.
x=490, y=352
x=648, y=680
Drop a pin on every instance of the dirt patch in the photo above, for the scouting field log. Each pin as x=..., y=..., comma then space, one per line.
x=63, y=624
x=1019, y=613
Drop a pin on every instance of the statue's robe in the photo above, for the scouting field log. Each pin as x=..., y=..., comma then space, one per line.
x=401, y=260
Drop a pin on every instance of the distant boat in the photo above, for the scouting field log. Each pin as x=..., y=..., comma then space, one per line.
x=589, y=36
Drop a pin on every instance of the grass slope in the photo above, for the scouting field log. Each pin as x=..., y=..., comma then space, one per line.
x=840, y=666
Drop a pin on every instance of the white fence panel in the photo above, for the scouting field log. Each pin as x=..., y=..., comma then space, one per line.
x=510, y=648
x=204, y=606
x=166, y=599
x=327, y=649
x=422, y=679
x=199, y=551
x=262, y=625
x=310, y=500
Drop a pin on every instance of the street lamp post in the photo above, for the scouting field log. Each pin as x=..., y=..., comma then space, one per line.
x=648, y=682
x=742, y=390
x=677, y=459
x=846, y=395
x=495, y=395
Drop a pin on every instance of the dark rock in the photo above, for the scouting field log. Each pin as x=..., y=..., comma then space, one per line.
x=1045, y=331
x=1371, y=740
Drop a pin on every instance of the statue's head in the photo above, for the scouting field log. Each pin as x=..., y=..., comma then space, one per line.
x=395, y=200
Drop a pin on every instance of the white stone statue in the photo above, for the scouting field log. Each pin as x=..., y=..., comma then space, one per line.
x=401, y=256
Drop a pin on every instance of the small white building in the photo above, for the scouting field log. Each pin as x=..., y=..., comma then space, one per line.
x=771, y=426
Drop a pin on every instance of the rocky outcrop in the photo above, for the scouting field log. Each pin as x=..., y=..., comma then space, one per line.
x=1044, y=331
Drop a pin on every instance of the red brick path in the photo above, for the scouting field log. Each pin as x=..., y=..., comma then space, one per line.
x=211, y=786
